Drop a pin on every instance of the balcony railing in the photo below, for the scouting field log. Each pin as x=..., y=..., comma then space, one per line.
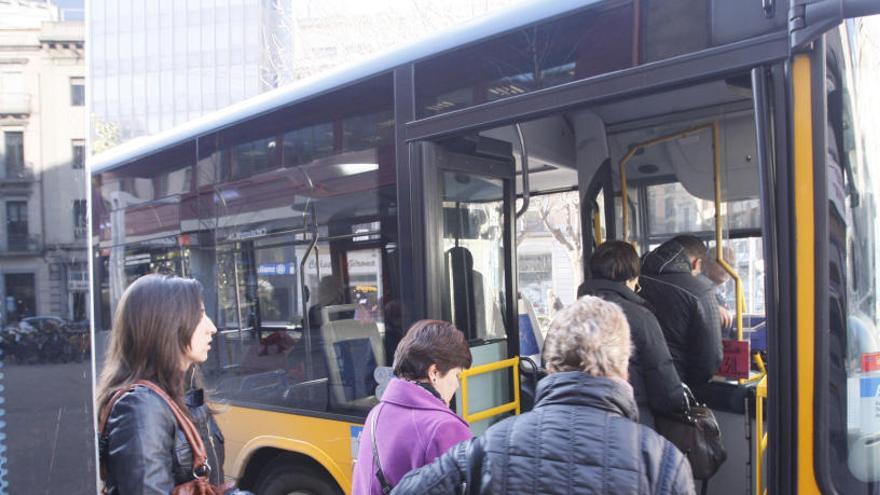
x=15, y=103
x=16, y=172
x=80, y=231
x=23, y=244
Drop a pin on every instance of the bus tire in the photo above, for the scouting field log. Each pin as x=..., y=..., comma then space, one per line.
x=287, y=478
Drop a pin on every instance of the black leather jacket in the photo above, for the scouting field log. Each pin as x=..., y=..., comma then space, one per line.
x=581, y=437
x=145, y=452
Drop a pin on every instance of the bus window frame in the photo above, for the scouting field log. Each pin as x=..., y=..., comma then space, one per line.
x=827, y=479
x=432, y=169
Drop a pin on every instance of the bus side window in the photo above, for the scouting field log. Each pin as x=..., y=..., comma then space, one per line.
x=301, y=205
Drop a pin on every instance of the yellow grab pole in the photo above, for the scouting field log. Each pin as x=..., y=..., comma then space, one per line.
x=628, y=156
x=597, y=227
x=760, y=436
x=719, y=237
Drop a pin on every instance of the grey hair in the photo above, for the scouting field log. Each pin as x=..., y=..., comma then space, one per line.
x=591, y=335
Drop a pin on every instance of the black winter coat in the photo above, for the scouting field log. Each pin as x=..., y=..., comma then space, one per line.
x=146, y=452
x=656, y=384
x=686, y=308
x=581, y=437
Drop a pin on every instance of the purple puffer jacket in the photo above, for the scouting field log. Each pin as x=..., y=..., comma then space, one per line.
x=413, y=428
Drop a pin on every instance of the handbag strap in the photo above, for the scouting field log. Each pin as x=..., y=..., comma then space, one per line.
x=201, y=468
x=383, y=481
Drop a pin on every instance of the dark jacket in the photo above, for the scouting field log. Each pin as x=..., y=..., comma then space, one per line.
x=656, y=384
x=581, y=437
x=146, y=452
x=686, y=309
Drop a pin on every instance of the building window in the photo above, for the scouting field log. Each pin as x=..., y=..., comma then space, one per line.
x=17, y=225
x=77, y=91
x=21, y=296
x=14, y=154
x=79, y=153
x=536, y=281
x=79, y=219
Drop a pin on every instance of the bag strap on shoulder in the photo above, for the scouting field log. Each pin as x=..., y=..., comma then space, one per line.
x=380, y=475
x=201, y=468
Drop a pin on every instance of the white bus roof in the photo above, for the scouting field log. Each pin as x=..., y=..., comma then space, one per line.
x=486, y=27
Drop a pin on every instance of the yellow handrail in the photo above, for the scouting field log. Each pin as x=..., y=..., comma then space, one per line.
x=715, y=127
x=494, y=411
x=760, y=436
x=597, y=227
x=632, y=152
x=719, y=237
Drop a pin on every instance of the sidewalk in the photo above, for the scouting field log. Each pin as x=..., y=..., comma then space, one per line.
x=49, y=438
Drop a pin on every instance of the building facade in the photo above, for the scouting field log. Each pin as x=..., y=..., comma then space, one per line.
x=155, y=64
x=43, y=259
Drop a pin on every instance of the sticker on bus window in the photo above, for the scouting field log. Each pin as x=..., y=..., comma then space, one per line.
x=871, y=362
x=355, y=441
x=735, y=364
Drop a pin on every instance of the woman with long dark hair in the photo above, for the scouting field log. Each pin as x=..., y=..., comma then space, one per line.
x=160, y=334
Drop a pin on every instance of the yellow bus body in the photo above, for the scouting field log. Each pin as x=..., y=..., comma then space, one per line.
x=326, y=441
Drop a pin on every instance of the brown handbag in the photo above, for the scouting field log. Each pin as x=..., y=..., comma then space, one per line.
x=200, y=484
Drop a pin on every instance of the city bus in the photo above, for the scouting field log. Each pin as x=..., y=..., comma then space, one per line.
x=468, y=177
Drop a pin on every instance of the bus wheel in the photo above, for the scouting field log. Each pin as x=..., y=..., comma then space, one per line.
x=286, y=478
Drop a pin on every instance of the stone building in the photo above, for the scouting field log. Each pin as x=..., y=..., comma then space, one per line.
x=43, y=258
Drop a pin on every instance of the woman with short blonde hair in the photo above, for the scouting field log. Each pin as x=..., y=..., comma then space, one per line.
x=593, y=338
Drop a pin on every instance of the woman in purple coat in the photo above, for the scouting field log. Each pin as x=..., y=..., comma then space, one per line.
x=412, y=425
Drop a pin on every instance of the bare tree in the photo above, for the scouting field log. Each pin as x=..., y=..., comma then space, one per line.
x=559, y=215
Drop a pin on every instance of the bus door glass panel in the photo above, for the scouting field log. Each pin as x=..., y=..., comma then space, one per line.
x=472, y=197
x=549, y=253
x=474, y=265
x=473, y=251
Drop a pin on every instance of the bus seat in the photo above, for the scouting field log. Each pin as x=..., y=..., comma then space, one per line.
x=354, y=350
x=531, y=336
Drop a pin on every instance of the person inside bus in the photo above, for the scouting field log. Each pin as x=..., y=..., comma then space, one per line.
x=412, y=424
x=160, y=334
x=685, y=306
x=614, y=267
x=583, y=432
x=715, y=274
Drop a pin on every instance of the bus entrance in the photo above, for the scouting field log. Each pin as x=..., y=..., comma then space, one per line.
x=469, y=200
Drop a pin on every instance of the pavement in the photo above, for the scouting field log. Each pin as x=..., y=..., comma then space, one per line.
x=49, y=439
